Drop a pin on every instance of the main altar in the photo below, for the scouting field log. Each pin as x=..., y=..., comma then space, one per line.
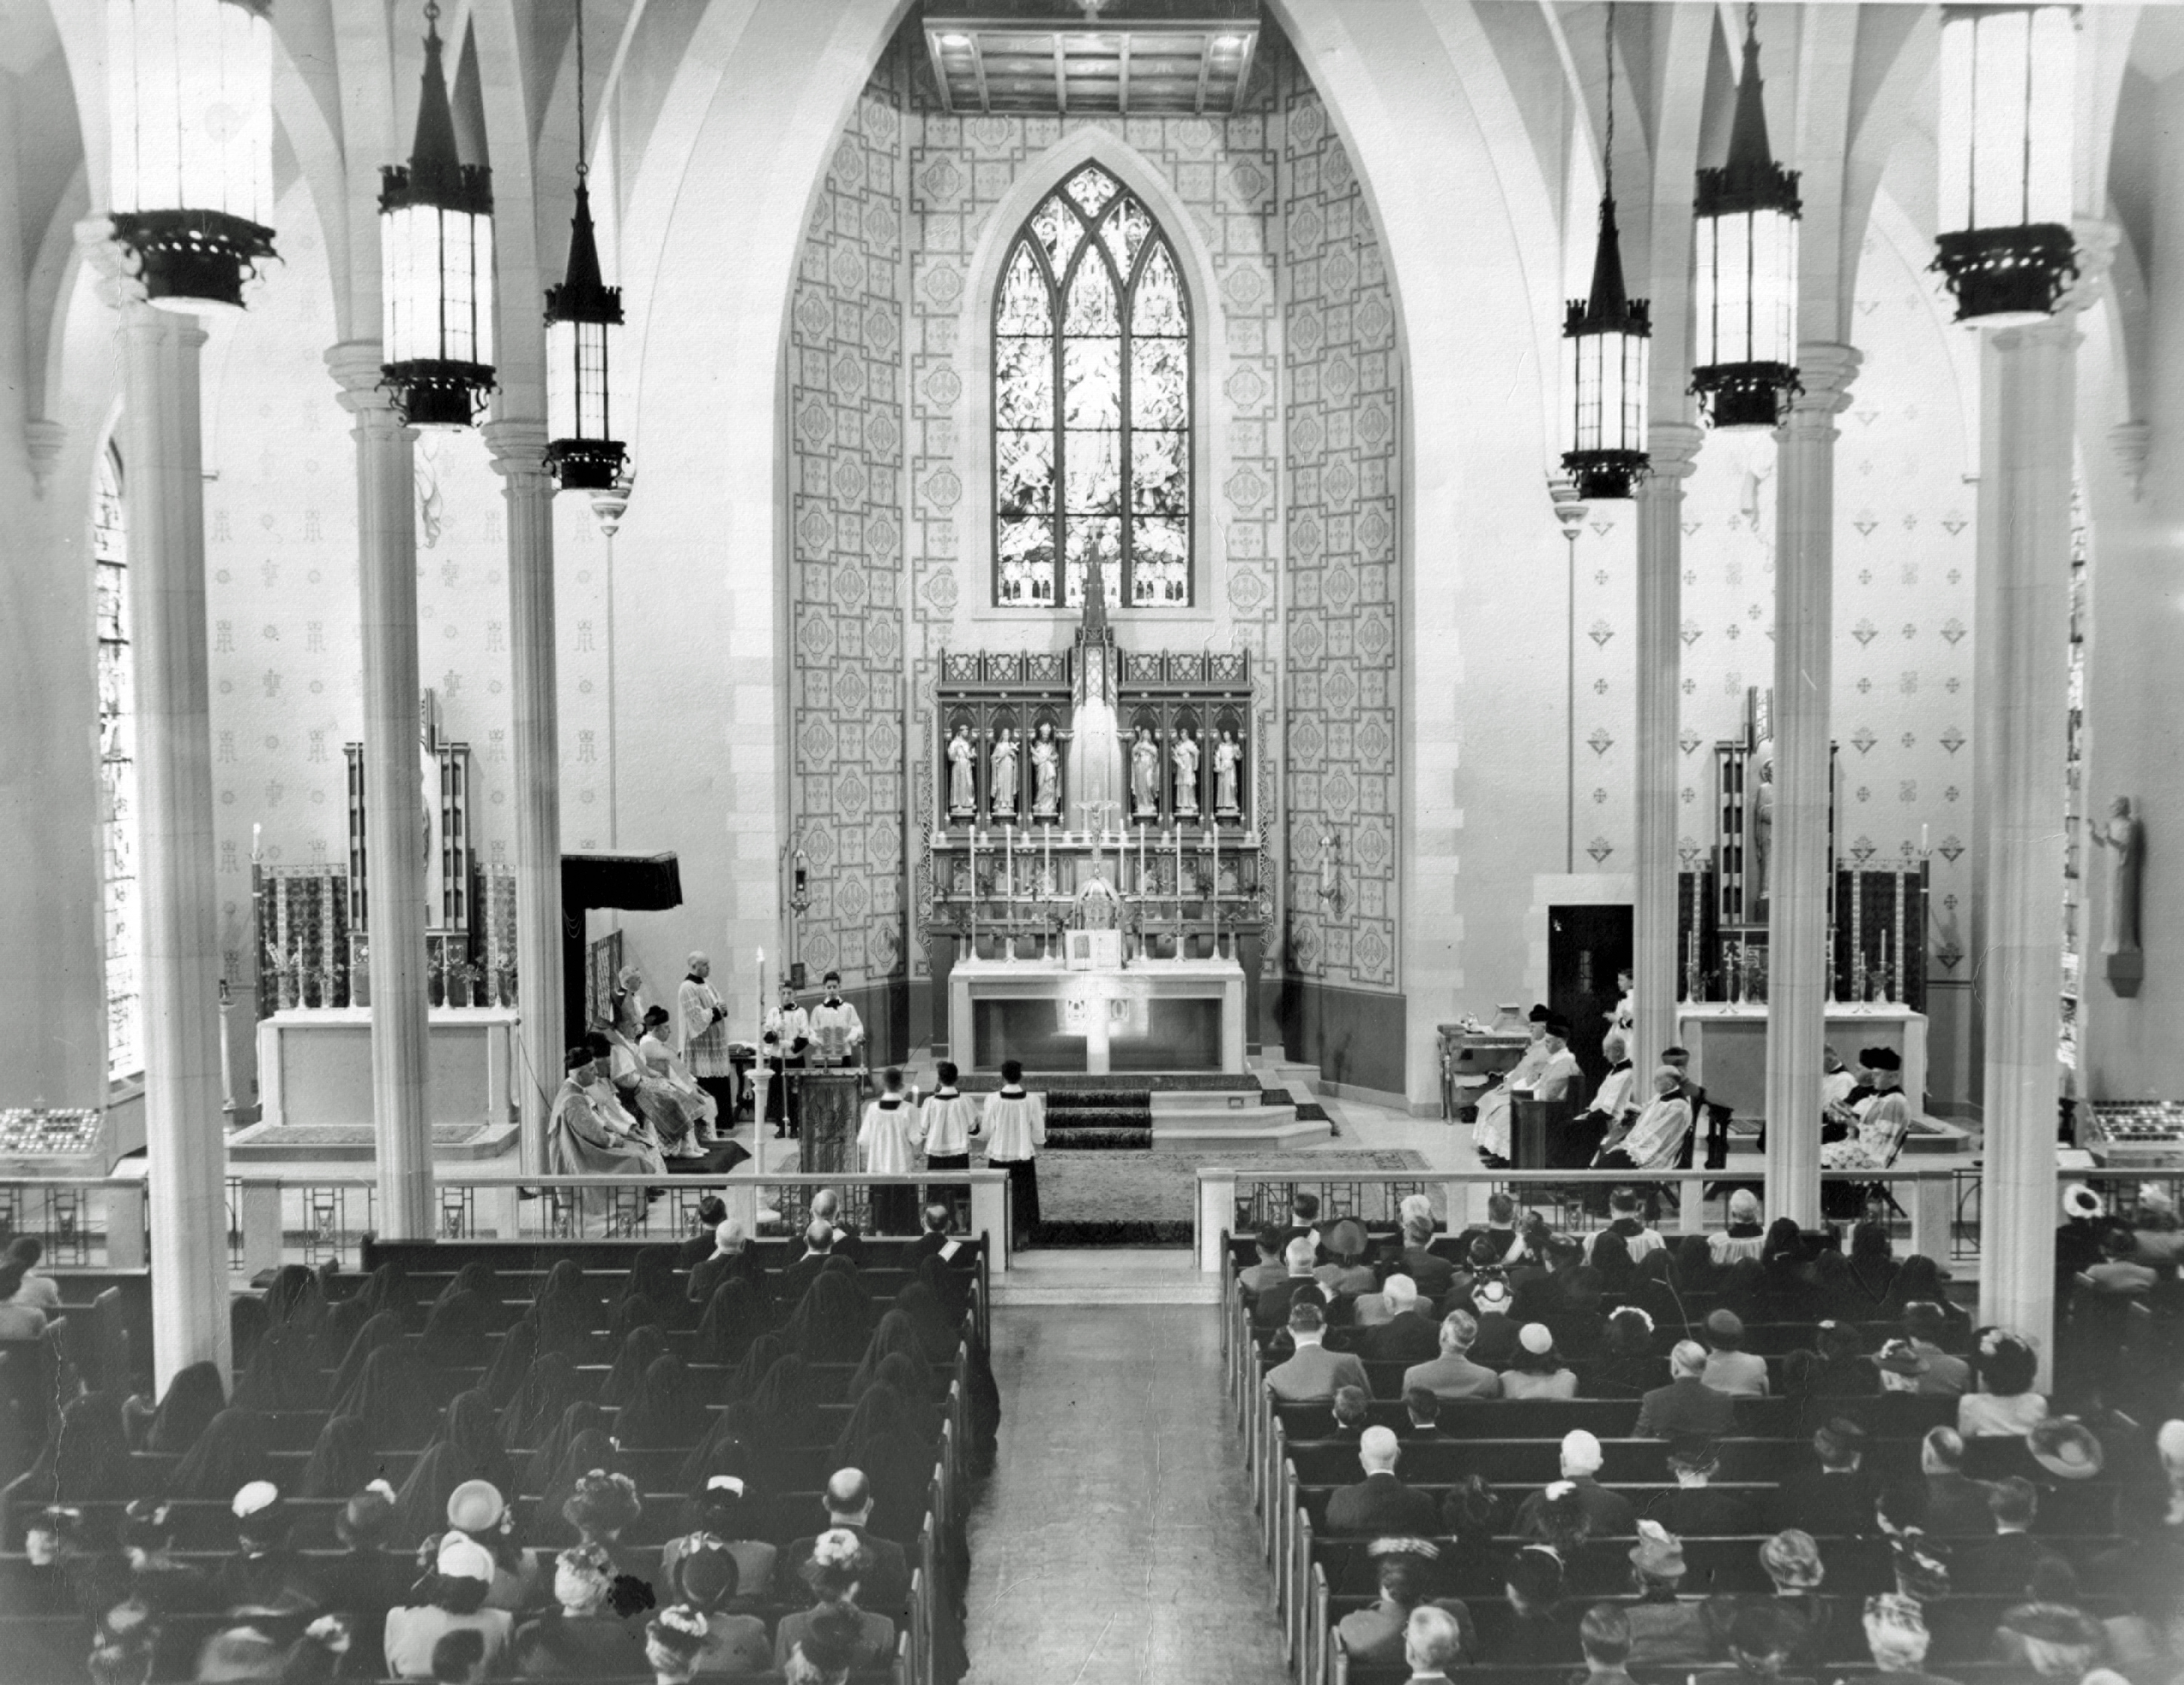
x=1094, y=894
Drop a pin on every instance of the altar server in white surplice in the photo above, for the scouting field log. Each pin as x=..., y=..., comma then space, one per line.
x=887, y=1138
x=787, y=1036
x=835, y=1017
x=951, y=1120
x=1491, y=1134
x=1016, y=1129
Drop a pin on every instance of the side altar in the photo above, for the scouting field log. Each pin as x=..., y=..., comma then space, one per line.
x=1096, y=814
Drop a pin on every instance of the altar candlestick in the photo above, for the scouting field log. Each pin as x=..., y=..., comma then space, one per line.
x=1858, y=922
x=1010, y=843
x=1925, y=849
x=1179, y=887
x=1141, y=861
x=1213, y=836
x=974, y=891
x=759, y=1035
x=257, y=835
x=1896, y=916
x=1046, y=860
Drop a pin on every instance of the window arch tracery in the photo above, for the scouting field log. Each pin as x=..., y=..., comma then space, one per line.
x=1092, y=404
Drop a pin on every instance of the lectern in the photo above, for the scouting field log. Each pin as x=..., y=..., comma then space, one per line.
x=831, y=1097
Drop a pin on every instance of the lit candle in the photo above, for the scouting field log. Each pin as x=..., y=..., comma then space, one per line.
x=1924, y=848
x=1011, y=843
x=257, y=833
x=1047, y=860
x=1141, y=859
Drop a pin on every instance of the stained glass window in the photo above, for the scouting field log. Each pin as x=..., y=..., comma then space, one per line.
x=1091, y=404
x=117, y=775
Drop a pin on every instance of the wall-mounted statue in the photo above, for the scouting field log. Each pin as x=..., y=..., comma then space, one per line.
x=1145, y=773
x=1228, y=758
x=2121, y=958
x=963, y=778
x=1001, y=765
x=1045, y=773
x=1185, y=756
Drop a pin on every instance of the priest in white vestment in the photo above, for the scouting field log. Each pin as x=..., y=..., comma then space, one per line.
x=887, y=1138
x=1491, y=1133
x=701, y=1034
x=1016, y=1128
x=662, y=1066
x=1883, y=1120
x=590, y=1134
x=1654, y=1141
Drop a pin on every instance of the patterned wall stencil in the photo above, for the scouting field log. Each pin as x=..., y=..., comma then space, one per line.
x=845, y=639
x=1343, y=389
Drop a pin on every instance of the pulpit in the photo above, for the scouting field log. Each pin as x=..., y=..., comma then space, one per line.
x=832, y=1097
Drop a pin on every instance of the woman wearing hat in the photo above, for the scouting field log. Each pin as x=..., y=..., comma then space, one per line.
x=449, y=1598
x=2005, y=1405
x=706, y=1580
x=1538, y=1371
x=834, y=1632
x=1346, y=1274
x=580, y=1638
x=1791, y=1561
x=1404, y=1569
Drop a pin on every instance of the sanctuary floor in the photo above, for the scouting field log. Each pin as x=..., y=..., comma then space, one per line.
x=1115, y=1543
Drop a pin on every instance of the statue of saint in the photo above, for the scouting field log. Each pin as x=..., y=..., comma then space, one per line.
x=1001, y=761
x=1045, y=773
x=1185, y=756
x=1228, y=755
x=1144, y=773
x=1759, y=825
x=962, y=780
x=2120, y=833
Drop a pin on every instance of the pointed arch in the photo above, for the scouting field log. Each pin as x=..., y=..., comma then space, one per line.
x=1092, y=403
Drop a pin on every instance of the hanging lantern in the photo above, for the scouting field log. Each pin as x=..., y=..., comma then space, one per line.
x=1745, y=219
x=190, y=85
x=1609, y=335
x=436, y=266
x=582, y=315
x=2008, y=77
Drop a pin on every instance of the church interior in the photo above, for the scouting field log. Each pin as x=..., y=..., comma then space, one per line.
x=1417, y=733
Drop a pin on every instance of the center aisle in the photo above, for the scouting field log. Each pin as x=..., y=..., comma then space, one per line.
x=1116, y=1542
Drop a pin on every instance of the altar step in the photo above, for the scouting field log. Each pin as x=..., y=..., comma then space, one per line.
x=341, y=1144
x=1115, y=1082
x=1104, y=1120
x=1202, y=1121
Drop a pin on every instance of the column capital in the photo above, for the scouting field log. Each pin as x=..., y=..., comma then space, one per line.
x=1825, y=369
x=42, y=440
x=1672, y=449
x=355, y=365
x=518, y=451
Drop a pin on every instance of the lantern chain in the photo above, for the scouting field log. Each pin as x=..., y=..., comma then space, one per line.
x=583, y=129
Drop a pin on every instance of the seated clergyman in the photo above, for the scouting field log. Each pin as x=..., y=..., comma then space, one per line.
x=1655, y=1137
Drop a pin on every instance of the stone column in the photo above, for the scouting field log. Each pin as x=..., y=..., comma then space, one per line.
x=1797, y=873
x=1674, y=447
x=518, y=456
x=162, y=446
x=393, y=793
x=2028, y=381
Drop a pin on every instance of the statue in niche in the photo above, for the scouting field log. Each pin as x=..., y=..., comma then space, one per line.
x=1759, y=827
x=1045, y=773
x=1185, y=756
x=1001, y=762
x=962, y=780
x=2120, y=835
x=1144, y=773
x=1228, y=757
x=1099, y=906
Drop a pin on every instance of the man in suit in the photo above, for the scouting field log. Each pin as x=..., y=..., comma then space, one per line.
x=934, y=1241
x=1433, y=1645
x=1381, y=1505
x=1833, y=1496
x=730, y=1257
x=1408, y=1336
x=886, y=1584
x=1686, y=1404
x=2001, y=1566
x=1500, y=1231
x=1421, y=1413
x=1957, y=1506
x=1270, y=1271
x=1695, y=1509
x=1431, y=1271
x=818, y=1247
x=1608, y=1513
x=1271, y=1308
x=1304, y=1222
x=1453, y=1375
x=827, y=1204
x=1311, y=1374
x=712, y=1212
